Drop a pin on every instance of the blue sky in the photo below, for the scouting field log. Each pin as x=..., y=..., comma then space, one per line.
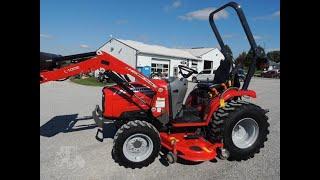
x=77, y=26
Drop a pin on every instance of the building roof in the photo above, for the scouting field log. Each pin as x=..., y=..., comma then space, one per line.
x=158, y=50
x=198, y=52
x=46, y=56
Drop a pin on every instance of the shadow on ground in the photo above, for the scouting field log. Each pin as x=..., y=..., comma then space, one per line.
x=67, y=123
x=64, y=124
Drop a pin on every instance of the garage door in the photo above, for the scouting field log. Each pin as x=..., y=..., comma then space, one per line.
x=160, y=66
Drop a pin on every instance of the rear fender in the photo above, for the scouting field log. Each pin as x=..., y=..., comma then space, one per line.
x=225, y=96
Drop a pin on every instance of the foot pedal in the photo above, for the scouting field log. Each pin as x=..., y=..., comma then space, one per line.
x=99, y=131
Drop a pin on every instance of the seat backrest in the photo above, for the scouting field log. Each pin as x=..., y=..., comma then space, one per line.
x=222, y=74
x=177, y=89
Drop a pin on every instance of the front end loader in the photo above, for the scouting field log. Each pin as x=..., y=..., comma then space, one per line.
x=150, y=114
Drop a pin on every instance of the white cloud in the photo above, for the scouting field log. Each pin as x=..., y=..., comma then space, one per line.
x=121, y=21
x=203, y=14
x=277, y=13
x=268, y=17
x=256, y=37
x=84, y=46
x=46, y=36
x=175, y=4
x=228, y=36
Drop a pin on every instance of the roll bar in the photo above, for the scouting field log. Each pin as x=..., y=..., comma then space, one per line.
x=249, y=35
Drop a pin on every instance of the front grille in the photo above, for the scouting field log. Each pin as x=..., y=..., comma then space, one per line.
x=103, y=100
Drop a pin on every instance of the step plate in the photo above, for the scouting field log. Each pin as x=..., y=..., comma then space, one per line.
x=190, y=149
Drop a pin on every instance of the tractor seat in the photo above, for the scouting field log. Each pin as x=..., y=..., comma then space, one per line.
x=189, y=114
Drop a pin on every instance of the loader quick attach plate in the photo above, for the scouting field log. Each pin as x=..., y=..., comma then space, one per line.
x=195, y=149
x=97, y=116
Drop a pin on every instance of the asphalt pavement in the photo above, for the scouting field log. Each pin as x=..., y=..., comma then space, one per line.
x=69, y=150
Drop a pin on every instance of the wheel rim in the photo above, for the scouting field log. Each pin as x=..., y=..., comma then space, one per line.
x=245, y=133
x=137, y=147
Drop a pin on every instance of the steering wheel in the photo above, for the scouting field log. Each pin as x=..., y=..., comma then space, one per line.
x=189, y=70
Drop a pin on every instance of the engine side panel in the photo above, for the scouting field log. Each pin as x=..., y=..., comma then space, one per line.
x=117, y=101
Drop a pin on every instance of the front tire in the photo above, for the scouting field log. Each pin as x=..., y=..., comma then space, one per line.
x=136, y=144
x=242, y=127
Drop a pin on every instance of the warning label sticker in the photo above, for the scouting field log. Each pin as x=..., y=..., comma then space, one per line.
x=160, y=103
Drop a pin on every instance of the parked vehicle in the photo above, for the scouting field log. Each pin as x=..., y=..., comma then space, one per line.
x=275, y=73
x=205, y=75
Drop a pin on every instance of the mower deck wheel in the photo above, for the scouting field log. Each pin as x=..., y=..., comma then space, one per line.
x=171, y=158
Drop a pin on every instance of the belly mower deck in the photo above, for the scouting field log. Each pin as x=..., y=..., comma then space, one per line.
x=193, y=149
x=184, y=145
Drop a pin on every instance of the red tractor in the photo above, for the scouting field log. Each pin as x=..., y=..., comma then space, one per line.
x=150, y=114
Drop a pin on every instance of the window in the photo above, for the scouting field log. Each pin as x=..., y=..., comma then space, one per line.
x=162, y=69
x=194, y=65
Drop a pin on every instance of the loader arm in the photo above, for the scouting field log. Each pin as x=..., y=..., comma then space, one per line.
x=110, y=64
x=101, y=60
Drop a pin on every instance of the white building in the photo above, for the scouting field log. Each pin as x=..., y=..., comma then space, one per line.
x=153, y=58
x=210, y=57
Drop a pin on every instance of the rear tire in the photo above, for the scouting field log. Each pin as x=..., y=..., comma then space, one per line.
x=136, y=144
x=236, y=117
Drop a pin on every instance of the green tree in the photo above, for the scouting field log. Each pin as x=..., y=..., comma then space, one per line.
x=261, y=53
x=228, y=53
x=241, y=58
x=274, y=56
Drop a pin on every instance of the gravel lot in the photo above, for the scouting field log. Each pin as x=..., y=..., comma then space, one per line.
x=74, y=153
